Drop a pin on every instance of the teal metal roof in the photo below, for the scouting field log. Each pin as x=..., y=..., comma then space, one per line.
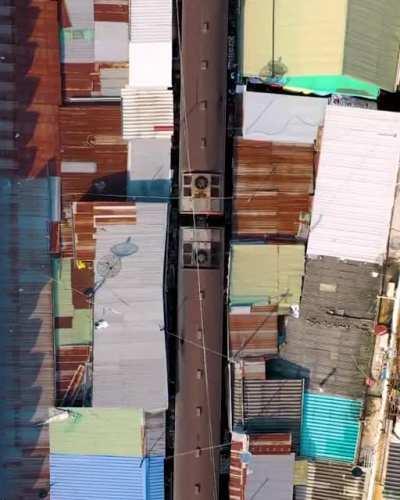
x=330, y=427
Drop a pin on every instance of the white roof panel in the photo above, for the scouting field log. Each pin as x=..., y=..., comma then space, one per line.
x=129, y=354
x=355, y=184
x=282, y=118
x=150, y=64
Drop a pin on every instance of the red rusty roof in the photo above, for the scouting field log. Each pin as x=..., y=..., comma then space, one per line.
x=273, y=183
x=254, y=333
x=37, y=86
x=69, y=361
x=93, y=134
x=111, y=11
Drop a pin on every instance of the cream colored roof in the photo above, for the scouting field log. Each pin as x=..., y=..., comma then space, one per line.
x=309, y=35
x=353, y=38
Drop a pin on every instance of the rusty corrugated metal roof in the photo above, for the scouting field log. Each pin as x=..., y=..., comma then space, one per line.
x=253, y=334
x=273, y=183
x=110, y=10
x=93, y=134
x=70, y=360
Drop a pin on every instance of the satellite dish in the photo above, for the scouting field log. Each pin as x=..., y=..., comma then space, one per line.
x=109, y=266
x=125, y=249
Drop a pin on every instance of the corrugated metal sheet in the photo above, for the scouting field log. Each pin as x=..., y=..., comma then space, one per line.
x=334, y=355
x=116, y=478
x=132, y=347
x=77, y=38
x=93, y=133
x=111, y=42
x=254, y=334
x=112, y=80
x=392, y=479
x=26, y=342
x=270, y=406
x=36, y=94
x=154, y=434
x=282, y=118
x=266, y=475
x=88, y=216
x=151, y=21
x=68, y=360
x=394, y=236
x=147, y=113
x=331, y=481
x=263, y=274
x=335, y=289
x=355, y=38
x=272, y=187
x=330, y=427
x=99, y=431
x=149, y=169
x=371, y=50
x=355, y=187
x=109, y=10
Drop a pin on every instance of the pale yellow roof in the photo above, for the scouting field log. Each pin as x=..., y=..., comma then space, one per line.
x=309, y=35
x=317, y=38
x=264, y=274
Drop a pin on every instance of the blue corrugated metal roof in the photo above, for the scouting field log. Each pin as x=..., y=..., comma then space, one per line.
x=330, y=427
x=84, y=477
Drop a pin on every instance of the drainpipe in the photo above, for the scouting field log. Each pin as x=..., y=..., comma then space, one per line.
x=385, y=391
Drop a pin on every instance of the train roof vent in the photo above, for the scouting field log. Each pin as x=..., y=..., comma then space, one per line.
x=201, y=254
x=202, y=193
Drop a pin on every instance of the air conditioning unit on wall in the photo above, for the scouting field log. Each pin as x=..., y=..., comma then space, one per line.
x=202, y=248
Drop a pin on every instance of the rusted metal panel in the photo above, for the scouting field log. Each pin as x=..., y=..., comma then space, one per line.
x=111, y=11
x=93, y=133
x=270, y=444
x=69, y=360
x=253, y=334
x=37, y=86
x=55, y=238
x=273, y=184
x=88, y=215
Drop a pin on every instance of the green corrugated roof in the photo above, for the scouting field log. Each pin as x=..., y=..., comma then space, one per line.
x=62, y=293
x=82, y=320
x=99, y=431
x=266, y=274
x=81, y=331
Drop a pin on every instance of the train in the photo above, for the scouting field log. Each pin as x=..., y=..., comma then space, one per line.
x=203, y=38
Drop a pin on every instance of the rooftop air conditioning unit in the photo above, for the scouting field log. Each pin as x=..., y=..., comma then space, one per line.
x=202, y=193
x=201, y=254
